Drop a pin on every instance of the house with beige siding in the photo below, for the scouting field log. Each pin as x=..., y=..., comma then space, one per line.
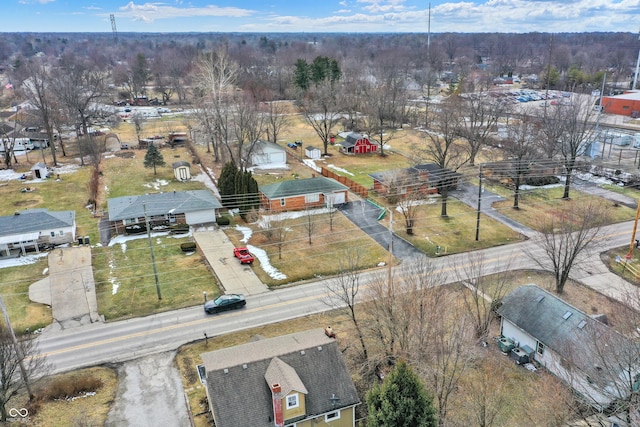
x=297, y=380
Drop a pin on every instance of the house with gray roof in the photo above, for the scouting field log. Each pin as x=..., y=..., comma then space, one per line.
x=268, y=155
x=599, y=363
x=162, y=209
x=33, y=229
x=300, y=194
x=427, y=178
x=299, y=379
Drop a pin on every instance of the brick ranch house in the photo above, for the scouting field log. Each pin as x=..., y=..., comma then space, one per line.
x=425, y=179
x=300, y=194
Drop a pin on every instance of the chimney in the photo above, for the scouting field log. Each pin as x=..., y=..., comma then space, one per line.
x=276, y=394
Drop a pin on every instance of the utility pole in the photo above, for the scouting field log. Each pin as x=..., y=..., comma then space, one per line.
x=635, y=76
x=479, y=204
x=18, y=350
x=390, y=252
x=153, y=257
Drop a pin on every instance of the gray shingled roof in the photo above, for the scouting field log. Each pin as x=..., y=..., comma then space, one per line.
x=436, y=173
x=298, y=187
x=161, y=203
x=241, y=395
x=576, y=336
x=34, y=220
x=351, y=139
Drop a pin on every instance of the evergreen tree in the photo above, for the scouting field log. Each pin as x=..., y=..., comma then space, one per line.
x=400, y=401
x=153, y=158
x=301, y=74
x=227, y=184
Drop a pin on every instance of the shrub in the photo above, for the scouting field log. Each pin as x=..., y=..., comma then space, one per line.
x=63, y=388
x=223, y=220
x=188, y=246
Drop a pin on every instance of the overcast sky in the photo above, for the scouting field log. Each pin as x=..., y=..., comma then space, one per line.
x=321, y=16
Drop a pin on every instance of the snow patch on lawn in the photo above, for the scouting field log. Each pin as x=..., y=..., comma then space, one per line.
x=334, y=167
x=22, y=260
x=156, y=184
x=260, y=254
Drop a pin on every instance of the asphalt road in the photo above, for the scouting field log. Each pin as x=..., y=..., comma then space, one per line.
x=130, y=339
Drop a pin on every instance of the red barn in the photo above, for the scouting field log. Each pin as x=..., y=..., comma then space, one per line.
x=356, y=143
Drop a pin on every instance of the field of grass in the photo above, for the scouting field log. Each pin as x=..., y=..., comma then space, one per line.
x=549, y=201
x=85, y=410
x=125, y=279
x=456, y=233
x=300, y=260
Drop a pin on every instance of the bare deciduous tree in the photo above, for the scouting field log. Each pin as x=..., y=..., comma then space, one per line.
x=12, y=380
x=343, y=291
x=567, y=238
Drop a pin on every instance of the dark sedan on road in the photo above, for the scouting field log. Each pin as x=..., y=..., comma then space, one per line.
x=225, y=302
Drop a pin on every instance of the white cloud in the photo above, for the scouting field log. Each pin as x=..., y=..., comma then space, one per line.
x=149, y=12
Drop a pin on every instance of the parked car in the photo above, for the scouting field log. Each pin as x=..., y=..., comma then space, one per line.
x=243, y=255
x=225, y=302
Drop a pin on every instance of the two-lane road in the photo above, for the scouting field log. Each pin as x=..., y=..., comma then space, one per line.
x=129, y=339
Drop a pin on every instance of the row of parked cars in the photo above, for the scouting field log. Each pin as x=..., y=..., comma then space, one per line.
x=528, y=95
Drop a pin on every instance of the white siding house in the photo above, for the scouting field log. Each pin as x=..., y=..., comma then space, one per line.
x=267, y=155
x=600, y=364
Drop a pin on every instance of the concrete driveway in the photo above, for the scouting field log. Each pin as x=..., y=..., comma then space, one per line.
x=235, y=278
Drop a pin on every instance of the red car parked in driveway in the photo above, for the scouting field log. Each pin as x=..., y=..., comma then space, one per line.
x=243, y=255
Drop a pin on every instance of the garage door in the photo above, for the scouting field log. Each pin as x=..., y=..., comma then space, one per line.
x=200, y=217
x=336, y=198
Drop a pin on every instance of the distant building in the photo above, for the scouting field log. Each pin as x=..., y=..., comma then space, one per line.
x=32, y=229
x=627, y=104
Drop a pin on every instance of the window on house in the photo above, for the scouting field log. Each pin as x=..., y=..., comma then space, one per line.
x=625, y=107
x=282, y=202
x=292, y=401
x=312, y=198
x=53, y=234
x=130, y=221
x=61, y=233
x=331, y=416
x=540, y=348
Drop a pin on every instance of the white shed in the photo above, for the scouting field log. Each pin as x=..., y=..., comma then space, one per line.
x=313, y=152
x=40, y=170
x=181, y=171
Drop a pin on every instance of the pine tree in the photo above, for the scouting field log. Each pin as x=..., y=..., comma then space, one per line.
x=227, y=184
x=153, y=158
x=400, y=401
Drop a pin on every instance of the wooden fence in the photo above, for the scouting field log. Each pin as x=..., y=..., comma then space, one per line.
x=353, y=186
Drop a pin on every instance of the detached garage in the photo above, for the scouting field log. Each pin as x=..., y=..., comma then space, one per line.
x=266, y=155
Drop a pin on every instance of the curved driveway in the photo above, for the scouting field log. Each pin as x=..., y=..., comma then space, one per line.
x=365, y=216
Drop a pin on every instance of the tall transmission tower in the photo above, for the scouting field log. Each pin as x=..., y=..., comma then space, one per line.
x=113, y=27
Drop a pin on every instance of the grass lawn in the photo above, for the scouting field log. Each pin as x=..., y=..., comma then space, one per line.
x=86, y=410
x=14, y=286
x=125, y=280
x=627, y=269
x=549, y=201
x=300, y=260
x=453, y=234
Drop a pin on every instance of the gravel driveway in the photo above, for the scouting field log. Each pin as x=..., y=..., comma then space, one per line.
x=149, y=394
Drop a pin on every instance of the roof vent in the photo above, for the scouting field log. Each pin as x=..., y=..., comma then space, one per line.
x=319, y=348
x=582, y=324
x=567, y=315
x=226, y=371
x=302, y=353
x=540, y=298
x=244, y=366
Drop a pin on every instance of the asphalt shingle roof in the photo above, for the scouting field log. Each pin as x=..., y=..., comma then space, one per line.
x=566, y=330
x=241, y=394
x=298, y=187
x=34, y=220
x=161, y=203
